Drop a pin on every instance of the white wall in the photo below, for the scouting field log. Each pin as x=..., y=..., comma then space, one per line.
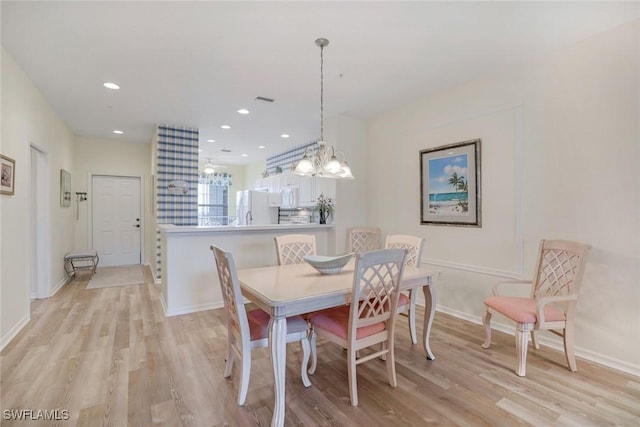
x=117, y=158
x=28, y=119
x=559, y=160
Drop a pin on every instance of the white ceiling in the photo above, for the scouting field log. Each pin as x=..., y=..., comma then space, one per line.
x=196, y=63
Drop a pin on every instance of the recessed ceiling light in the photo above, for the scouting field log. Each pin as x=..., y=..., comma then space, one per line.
x=211, y=140
x=118, y=132
x=260, y=146
x=110, y=85
x=225, y=127
x=244, y=155
x=243, y=111
x=285, y=135
x=200, y=150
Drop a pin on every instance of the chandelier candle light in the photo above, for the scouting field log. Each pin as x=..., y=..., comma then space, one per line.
x=323, y=162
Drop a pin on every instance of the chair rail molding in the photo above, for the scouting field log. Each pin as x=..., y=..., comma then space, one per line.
x=505, y=274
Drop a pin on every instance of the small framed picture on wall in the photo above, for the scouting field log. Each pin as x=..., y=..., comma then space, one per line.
x=8, y=177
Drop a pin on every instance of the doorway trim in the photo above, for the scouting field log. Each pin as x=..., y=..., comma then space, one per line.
x=143, y=226
x=40, y=222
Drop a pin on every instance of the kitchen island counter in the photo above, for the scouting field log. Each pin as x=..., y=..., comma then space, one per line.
x=304, y=228
x=188, y=276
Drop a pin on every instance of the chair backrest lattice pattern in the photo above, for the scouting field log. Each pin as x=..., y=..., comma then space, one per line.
x=412, y=244
x=237, y=322
x=292, y=248
x=560, y=268
x=376, y=285
x=363, y=239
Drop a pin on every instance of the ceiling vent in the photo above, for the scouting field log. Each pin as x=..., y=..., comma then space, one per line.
x=225, y=150
x=264, y=99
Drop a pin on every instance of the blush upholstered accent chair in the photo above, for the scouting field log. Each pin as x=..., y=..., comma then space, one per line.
x=407, y=304
x=552, y=304
x=247, y=330
x=370, y=318
x=363, y=239
x=291, y=248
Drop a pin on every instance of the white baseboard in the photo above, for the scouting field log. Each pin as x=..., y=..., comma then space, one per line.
x=14, y=331
x=548, y=341
x=153, y=274
x=190, y=309
x=60, y=285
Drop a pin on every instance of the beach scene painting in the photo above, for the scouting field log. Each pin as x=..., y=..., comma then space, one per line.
x=450, y=184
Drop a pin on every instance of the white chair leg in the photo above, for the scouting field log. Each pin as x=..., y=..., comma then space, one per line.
x=313, y=338
x=568, y=347
x=228, y=366
x=391, y=367
x=522, y=341
x=353, y=382
x=534, y=340
x=245, y=373
x=412, y=317
x=486, y=321
x=306, y=349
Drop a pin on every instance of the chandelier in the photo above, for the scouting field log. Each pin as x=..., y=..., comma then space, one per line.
x=323, y=161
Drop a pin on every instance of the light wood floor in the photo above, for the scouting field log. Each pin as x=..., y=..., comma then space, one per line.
x=110, y=357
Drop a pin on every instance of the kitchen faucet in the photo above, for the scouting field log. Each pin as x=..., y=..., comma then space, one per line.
x=248, y=218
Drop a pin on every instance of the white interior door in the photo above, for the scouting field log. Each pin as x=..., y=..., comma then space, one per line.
x=116, y=219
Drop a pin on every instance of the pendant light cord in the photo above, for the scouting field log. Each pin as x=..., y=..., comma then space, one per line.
x=321, y=93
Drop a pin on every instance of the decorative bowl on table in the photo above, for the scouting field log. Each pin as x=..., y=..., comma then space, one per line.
x=328, y=264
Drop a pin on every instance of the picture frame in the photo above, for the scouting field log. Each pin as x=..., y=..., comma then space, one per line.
x=450, y=190
x=65, y=188
x=7, y=175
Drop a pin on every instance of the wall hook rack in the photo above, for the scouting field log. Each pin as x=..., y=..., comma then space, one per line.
x=80, y=197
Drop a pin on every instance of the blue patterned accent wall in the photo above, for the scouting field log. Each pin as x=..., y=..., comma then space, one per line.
x=289, y=158
x=176, y=160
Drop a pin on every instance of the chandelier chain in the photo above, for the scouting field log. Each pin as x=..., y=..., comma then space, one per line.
x=321, y=93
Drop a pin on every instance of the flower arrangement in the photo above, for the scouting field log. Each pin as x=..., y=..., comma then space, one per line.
x=325, y=207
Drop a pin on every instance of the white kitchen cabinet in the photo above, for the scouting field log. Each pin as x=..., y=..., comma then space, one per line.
x=310, y=188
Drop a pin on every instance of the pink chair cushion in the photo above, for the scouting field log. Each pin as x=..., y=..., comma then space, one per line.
x=336, y=322
x=259, y=324
x=403, y=301
x=522, y=310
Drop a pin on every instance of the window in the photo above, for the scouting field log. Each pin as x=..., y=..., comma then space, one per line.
x=213, y=204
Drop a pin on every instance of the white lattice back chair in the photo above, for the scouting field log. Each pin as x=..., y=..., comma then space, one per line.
x=407, y=303
x=363, y=239
x=552, y=303
x=369, y=319
x=291, y=248
x=249, y=330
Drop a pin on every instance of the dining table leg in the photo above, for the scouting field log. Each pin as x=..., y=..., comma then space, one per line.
x=429, y=312
x=278, y=346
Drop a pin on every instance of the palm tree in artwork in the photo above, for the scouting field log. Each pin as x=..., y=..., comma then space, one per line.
x=462, y=185
x=455, y=180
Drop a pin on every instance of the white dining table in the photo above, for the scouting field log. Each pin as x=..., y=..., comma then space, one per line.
x=289, y=290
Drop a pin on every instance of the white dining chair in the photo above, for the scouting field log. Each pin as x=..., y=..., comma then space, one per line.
x=291, y=248
x=370, y=317
x=552, y=302
x=407, y=303
x=363, y=239
x=247, y=330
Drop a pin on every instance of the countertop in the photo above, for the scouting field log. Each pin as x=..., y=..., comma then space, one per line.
x=172, y=229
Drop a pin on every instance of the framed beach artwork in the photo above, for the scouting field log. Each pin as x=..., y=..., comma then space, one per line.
x=8, y=175
x=450, y=185
x=65, y=188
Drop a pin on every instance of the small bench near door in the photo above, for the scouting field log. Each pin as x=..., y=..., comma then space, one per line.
x=86, y=259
